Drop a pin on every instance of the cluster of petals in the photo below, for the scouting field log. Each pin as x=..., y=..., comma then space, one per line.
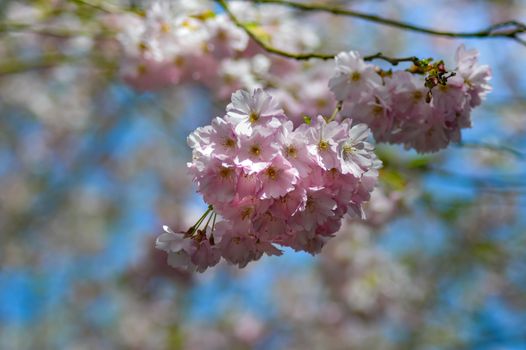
x=174, y=42
x=272, y=184
x=400, y=109
x=186, y=41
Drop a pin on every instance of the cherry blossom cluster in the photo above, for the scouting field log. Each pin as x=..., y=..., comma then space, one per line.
x=411, y=109
x=271, y=183
x=175, y=42
x=186, y=41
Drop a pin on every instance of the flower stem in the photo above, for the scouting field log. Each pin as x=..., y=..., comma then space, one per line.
x=208, y=221
x=337, y=110
x=214, y=222
x=202, y=218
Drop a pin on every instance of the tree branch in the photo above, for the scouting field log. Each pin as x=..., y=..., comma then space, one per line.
x=50, y=60
x=493, y=147
x=304, y=56
x=41, y=62
x=41, y=29
x=508, y=29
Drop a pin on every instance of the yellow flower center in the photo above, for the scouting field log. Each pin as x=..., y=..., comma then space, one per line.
x=205, y=47
x=272, y=173
x=292, y=152
x=255, y=150
x=179, y=61
x=222, y=36
x=253, y=117
x=356, y=76
x=225, y=172
x=188, y=24
x=348, y=149
x=143, y=47
x=321, y=103
x=417, y=95
x=246, y=213
x=165, y=27
x=310, y=204
x=142, y=69
x=229, y=79
x=333, y=173
x=323, y=145
x=230, y=143
x=377, y=110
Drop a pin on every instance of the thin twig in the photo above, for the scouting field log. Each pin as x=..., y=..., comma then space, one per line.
x=59, y=33
x=337, y=110
x=498, y=182
x=49, y=60
x=508, y=29
x=101, y=7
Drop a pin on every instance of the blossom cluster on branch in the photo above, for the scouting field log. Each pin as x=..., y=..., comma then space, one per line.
x=423, y=108
x=187, y=43
x=173, y=43
x=421, y=112
x=272, y=183
x=278, y=176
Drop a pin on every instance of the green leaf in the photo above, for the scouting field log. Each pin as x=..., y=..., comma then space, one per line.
x=486, y=251
x=421, y=163
x=203, y=16
x=393, y=179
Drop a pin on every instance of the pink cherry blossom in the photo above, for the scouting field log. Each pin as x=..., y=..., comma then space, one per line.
x=249, y=109
x=324, y=139
x=257, y=150
x=218, y=182
x=270, y=184
x=476, y=77
x=178, y=248
x=399, y=108
x=353, y=76
x=294, y=147
x=278, y=178
x=205, y=255
x=375, y=111
x=355, y=153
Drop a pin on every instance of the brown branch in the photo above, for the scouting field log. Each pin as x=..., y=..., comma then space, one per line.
x=508, y=29
x=8, y=27
x=493, y=147
x=304, y=56
x=45, y=61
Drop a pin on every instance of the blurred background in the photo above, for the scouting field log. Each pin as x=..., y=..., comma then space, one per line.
x=91, y=167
